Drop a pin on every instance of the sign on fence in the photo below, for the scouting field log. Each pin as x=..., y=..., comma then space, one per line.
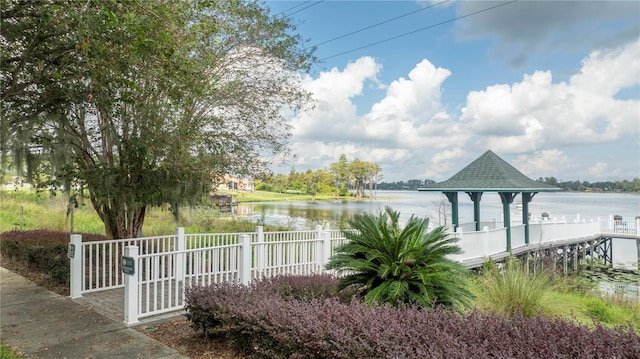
x=128, y=265
x=71, y=251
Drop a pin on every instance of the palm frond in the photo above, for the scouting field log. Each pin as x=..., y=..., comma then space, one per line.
x=400, y=265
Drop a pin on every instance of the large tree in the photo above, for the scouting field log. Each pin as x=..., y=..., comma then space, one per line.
x=147, y=103
x=340, y=172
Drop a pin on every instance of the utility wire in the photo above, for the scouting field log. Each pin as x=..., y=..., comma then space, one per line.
x=380, y=23
x=418, y=30
x=293, y=7
x=306, y=7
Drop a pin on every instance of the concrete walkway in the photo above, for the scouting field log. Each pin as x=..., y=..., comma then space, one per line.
x=41, y=324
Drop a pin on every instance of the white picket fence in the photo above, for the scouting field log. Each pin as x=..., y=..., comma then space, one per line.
x=164, y=266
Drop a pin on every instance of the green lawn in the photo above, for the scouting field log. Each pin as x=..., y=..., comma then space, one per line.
x=264, y=196
x=7, y=353
x=29, y=209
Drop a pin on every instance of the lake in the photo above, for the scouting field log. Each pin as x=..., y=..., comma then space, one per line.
x=330, y=214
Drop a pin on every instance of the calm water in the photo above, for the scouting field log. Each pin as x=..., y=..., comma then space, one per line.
x=306, y=215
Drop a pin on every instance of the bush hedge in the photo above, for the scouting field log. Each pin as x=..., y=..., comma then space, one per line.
x=42, y=250
x=264, y=323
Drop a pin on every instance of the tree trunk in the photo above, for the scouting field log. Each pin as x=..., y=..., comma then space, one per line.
x=122, y=223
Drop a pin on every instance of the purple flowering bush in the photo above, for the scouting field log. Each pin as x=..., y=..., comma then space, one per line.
x=267, y=322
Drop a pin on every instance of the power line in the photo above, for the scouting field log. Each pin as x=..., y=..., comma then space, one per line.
x=380, y=23
x=306, y=7
x=293, y=7
x=418, y=30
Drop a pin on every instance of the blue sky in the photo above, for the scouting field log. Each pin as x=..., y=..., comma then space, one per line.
x=553, y=87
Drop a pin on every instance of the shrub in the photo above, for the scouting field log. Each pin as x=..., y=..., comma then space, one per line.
x=394, y=265
x=302, y=288
x=270, y=326
x=41, y=250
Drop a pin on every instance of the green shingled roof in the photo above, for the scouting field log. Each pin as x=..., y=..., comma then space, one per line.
x=489, y=173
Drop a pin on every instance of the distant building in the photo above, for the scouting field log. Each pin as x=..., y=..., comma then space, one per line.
x=234, y=183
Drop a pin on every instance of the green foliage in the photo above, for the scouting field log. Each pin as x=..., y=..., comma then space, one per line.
x=511, y=290
x=341, y=177
x=577, y=185
x=146, y=103
x=29, y=209
x=42, y=210
x=41, y=250
x=8, y=353
x=389, y=264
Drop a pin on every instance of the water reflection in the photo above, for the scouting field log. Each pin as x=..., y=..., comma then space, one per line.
x=304, y=215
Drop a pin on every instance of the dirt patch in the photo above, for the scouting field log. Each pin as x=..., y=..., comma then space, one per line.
x=178, y=335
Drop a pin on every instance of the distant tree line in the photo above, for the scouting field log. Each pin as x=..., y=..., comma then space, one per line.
x=576, y=185
x=410, y=185
x=603, y=186
x=342, y=178
x=345, y=178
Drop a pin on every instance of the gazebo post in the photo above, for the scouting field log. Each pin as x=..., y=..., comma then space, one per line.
x=507, y=199
x=475, y=197
x=526, y=198
x=453, y=198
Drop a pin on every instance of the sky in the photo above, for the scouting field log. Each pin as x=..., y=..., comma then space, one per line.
x=423, y=88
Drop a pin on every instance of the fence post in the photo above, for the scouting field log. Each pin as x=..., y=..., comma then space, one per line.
x=260, y=251
x=131, y=288
x=610, y=223
x=180, y=246
x=245, y=259
x=76, y=256
x=326, y=247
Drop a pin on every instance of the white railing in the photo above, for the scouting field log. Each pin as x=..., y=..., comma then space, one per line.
x=158, y=283
x=101, y=267
x=166, y=265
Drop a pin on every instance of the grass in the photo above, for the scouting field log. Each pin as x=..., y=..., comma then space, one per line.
x=587, y=308
x=8, y=353
x=28, y=209
x=264, y=196
x=512, y=291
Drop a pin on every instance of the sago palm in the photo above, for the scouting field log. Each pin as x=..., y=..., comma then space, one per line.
x=389, y=264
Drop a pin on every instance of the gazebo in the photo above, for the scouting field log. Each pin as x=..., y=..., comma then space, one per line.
x=490, y=173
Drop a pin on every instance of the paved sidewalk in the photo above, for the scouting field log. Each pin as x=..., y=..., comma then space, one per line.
x=41, y=324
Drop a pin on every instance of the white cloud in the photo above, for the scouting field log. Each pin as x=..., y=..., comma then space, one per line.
x=442, y=162
x=599, y=169
x=537, y=113
x=542, y=163
x=335, y=114
x=410, y=134
x=403, y=128
x=607, y=72
x=408, y=107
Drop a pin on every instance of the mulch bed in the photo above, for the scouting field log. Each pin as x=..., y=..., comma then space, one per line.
x=178, y=335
